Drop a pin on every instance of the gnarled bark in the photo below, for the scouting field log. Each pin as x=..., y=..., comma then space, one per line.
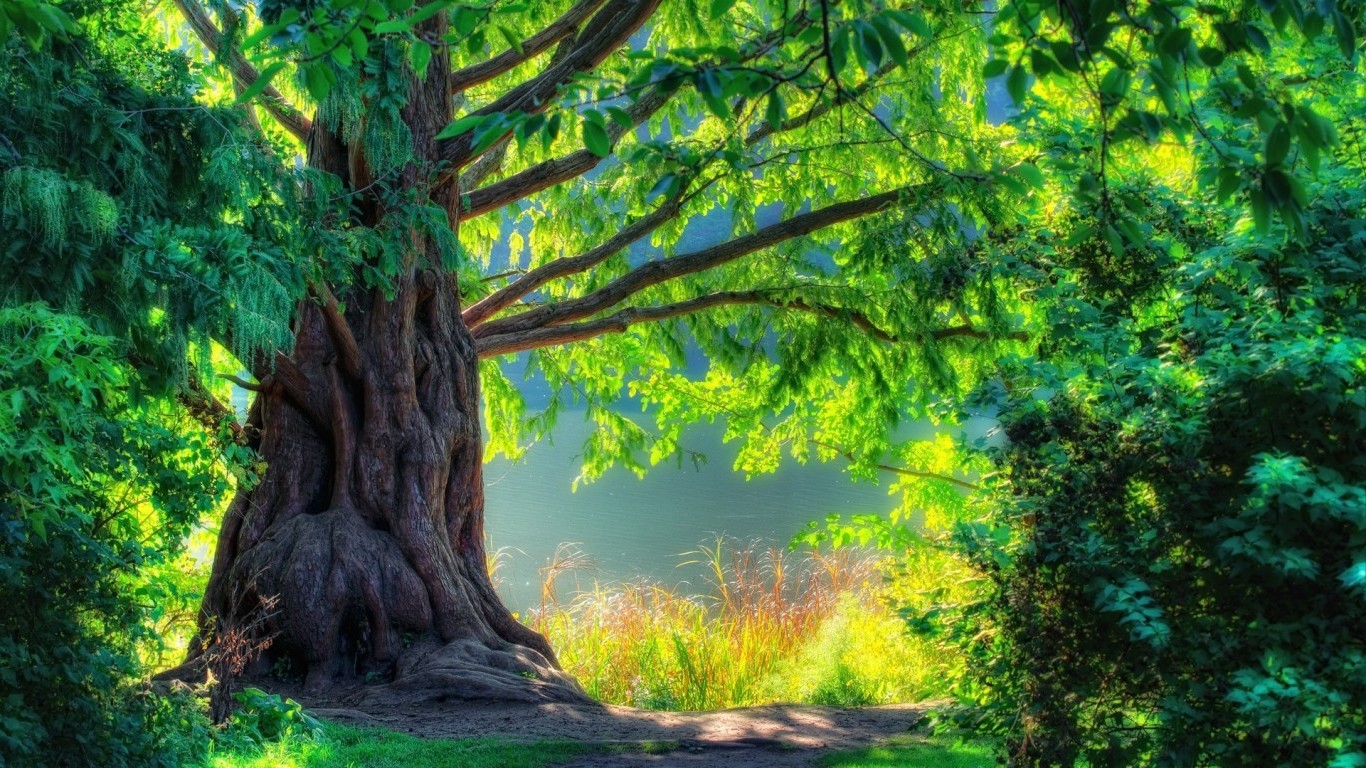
x=368, y=523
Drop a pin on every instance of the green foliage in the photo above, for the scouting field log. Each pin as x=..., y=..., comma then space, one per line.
x=124, y=200
x=95, y=488
x=1140, y=72
x=1177, y=554
x=261, y=718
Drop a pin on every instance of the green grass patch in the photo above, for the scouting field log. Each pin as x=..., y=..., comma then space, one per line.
x=916, y=752
x=346, y=747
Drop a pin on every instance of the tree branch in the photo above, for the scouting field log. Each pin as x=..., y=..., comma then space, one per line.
x=656, y=272
x=556, y=170
x=618, y=322
x=561, y=169
x=242, y=71
x=849, y=456
x=508, y=295
x=348, y=351
x=531, y=47
x=608, y=30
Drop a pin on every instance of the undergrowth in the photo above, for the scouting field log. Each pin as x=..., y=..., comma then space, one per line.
x=813, y=626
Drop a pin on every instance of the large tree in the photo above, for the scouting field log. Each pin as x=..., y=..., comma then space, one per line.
x=798, y=192
x=490, y=180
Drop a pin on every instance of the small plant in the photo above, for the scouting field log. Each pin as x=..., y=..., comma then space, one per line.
x=261, y=718
x=283, y=670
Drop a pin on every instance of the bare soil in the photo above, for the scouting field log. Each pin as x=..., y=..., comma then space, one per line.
x=755, y=737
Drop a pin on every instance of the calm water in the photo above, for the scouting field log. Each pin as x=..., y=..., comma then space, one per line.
x=632, y=527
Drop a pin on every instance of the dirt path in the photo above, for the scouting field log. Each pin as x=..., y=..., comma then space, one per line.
x=756, y=737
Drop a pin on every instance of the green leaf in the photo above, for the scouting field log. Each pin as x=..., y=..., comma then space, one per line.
x=995, y=68
x=420, y=54
x=393, y=26
x=1031, y=174
x=1261, y=210
x=596, y=140
x=462, y=126
x=720, y=8
x=1175, y=41
x=261, y=82
x=319, y=80
x=621, y=117
x=1114, y=85
x=510, y=37
x=1346, y=34
x=1277, y=145
x=427, y=11
x=891, y=41
x=776, y=111
x=1040, y=63
x=1017, y=82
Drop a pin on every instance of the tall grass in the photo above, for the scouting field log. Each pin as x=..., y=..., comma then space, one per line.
x=773, y=626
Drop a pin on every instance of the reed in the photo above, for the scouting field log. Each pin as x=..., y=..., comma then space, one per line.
x=772, y=625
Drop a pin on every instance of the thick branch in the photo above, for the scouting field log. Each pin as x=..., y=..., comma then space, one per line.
x=348, y=351
x=242, y=71
x=209, y=411
x=618, y=322
x=556, y=170
x=507, y=343
x=561, y=169
x=531, y=47
x=508, y=295
x=607, y=31
x=488, y=163
x=656, y=272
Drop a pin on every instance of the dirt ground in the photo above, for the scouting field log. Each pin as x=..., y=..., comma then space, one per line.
x=755, y=737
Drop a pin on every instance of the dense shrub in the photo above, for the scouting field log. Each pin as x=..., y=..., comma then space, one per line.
x=1180, y=552
x=94, y=489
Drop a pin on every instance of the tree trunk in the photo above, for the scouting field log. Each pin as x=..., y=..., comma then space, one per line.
x=369, y=521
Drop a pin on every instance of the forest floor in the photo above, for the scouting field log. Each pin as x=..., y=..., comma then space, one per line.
x=785, y=736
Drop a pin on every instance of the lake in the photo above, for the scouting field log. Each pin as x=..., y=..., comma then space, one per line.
x=632, y=528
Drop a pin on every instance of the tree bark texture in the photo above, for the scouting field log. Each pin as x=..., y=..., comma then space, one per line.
x=368, y=523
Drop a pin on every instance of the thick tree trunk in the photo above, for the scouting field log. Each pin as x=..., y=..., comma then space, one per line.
x=369, y=521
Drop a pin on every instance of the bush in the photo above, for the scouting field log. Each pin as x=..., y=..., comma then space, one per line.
x=94, y=489
x=1179, y=559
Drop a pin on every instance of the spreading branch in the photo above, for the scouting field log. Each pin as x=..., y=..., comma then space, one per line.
x=242, y=71
x=849, y=456
x=507, y=296
x=608, y=30
x=656, y=272
x=561, y=169
x=556, y=170
x=533, y=46
x=618, y=322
